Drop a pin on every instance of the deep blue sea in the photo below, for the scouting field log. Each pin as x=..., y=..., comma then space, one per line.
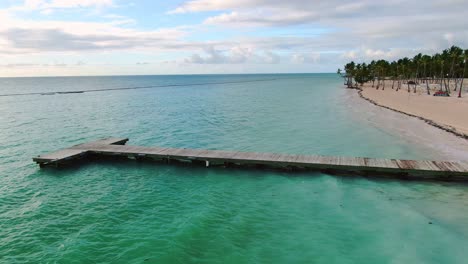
x=138, y=212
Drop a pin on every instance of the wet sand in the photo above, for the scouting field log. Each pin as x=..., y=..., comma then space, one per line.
x=437, y=143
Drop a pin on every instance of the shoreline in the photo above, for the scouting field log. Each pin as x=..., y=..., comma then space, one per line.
x=393, y=107
x=430, y=142
x=427, y=121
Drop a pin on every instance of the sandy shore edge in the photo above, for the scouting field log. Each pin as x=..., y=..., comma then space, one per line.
x=426, y=120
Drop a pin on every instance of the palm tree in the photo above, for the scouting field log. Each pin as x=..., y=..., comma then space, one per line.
x=463, y=74
x=439, y=61
x=372, y=71
x=445, y=68
x=350, y=71
x=425, y=60
x=394, y=72
x=454, y=53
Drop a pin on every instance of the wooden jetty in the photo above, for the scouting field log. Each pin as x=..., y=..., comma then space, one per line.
x=443, y=170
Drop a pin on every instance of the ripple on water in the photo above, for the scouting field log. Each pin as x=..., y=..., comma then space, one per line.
x=134, y=212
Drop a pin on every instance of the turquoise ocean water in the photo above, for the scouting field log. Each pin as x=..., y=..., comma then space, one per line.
x=130, y=212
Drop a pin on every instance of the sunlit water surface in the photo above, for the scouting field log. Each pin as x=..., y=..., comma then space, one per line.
x=129, y=212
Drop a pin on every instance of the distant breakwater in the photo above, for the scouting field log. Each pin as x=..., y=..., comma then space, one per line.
x=135, y=88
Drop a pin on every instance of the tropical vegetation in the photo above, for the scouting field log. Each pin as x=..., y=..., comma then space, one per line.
x=445, y=70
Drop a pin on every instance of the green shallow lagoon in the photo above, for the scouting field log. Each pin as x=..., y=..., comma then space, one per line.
x=129, y=212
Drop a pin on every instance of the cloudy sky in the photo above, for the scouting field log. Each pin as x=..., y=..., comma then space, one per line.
x=113, y=37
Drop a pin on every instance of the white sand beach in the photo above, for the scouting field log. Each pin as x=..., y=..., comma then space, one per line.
x=449, y=112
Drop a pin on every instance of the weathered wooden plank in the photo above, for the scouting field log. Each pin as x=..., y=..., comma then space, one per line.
x=464, y=165
x=284, y=158
x=349, y=161
x=432, y=166
x=454, y=167
x=114, y=146
x=228, y=155
x=242, y=156
x=57, y=156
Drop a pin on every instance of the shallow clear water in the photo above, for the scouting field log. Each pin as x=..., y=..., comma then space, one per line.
x=130, y=212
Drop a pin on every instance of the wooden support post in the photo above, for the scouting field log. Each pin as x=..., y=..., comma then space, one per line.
x=207, y=163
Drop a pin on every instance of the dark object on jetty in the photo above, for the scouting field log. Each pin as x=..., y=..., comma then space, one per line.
x=115, y=147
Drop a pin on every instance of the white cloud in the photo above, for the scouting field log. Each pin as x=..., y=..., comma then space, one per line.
x=234, y=55
x=360, y=30
x=207, y=5
x=63, y=4
x=270, y=17
x=350, y=55
x=302, y=58
x=22, y=36
x=378, y=18
x=367, y=54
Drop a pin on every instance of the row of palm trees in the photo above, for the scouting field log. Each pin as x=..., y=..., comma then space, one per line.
x=447, y=70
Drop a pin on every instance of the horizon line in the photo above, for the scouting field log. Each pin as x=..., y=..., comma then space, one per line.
x=175, y=74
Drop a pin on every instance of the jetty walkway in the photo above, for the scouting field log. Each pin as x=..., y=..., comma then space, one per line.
x=442, y=170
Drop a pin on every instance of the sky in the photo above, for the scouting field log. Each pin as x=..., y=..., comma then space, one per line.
x=116, y=37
